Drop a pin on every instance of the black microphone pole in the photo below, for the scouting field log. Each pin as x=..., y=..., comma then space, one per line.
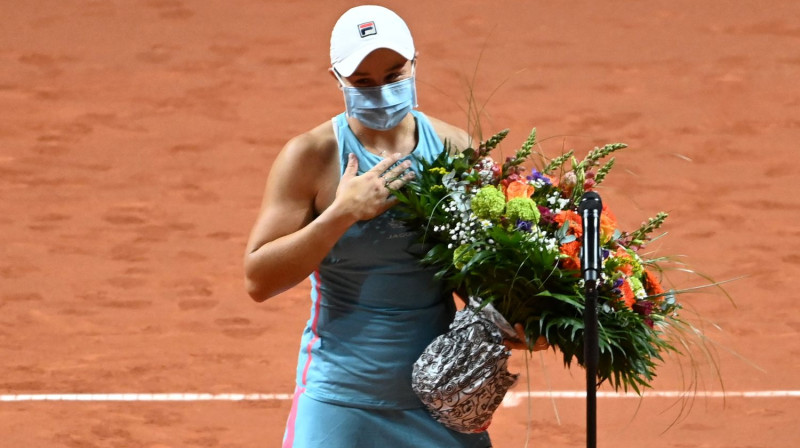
x=591, y=268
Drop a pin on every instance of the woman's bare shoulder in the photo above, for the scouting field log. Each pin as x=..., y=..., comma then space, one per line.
x=315, y=143
x=307, y=152
x=458, y=138
x=308, y=156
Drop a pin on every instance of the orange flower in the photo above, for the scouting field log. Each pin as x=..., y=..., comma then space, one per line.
x=608, y=224
x=627, y=294
x=572, y=250
x=626, y=264
x=575, y=223
x=518, y=189
x=652, y=285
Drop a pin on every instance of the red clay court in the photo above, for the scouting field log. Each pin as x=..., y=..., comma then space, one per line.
x=135, y=141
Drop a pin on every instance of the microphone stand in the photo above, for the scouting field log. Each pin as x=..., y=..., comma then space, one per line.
x=591, y=267
x=591, y=355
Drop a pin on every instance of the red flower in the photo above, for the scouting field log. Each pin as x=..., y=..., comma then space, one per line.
x=497, y=170
x=645, y=308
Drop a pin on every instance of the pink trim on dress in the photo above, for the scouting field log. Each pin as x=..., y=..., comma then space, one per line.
x=313, y=328
x=288, y=437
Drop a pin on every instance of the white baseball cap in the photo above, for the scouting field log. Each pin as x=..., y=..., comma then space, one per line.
x=364, y=29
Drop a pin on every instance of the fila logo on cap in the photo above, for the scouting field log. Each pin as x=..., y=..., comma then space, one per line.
x=367, y=29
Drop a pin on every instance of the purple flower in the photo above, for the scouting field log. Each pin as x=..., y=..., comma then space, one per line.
x=525, y=226
x=536, y=175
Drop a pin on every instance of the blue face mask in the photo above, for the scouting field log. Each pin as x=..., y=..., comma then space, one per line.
x=382, y=107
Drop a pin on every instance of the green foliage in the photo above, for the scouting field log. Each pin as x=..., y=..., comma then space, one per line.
x=639, y=236
x=603, y=171
x=557, y=162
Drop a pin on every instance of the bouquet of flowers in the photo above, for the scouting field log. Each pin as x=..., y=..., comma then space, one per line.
x=512, y=237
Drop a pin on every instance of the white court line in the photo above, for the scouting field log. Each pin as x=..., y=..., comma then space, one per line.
x=511, y=399
x=514, y=398
x=146, y=397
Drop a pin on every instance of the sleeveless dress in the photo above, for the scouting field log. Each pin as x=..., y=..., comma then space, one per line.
x=374, y=309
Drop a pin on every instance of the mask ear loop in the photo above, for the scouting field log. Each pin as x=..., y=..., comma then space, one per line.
x=414, y=80
x=338, y=78
x=342, y=87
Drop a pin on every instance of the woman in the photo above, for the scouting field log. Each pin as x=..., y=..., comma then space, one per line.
x=374, y=307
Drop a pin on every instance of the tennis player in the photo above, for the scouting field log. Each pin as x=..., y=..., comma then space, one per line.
x=326, y=214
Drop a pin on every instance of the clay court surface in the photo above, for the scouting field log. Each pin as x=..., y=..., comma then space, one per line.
x=135, y=141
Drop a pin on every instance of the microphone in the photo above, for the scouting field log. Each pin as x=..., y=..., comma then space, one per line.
x=590, y=208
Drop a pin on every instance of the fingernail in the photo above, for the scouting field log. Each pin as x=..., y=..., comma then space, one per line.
x=397, y=154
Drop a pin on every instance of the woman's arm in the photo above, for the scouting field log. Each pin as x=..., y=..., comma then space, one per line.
x=287, y=241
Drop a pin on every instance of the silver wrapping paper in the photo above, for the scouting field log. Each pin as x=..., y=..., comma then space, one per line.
x=462, y=376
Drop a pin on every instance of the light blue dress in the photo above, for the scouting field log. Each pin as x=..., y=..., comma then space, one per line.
x=374, y=309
